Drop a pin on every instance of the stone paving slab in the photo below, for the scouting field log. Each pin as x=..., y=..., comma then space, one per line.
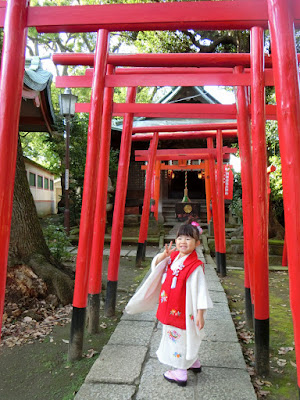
x=139, y=375
x=113, y=366
x=155, y=340
x=211, y=354
x=210, y=275
x=146, y=316
x=124, y=252
x=224, y=384
x=103, y=391
x=153, y=386
x=106, y=252
x=219, y=311
x=214, y=285
x=220, y=354
x=132, y=253
x=218, y=297
x=132, y=333
x=220, y=331
x=151, y=252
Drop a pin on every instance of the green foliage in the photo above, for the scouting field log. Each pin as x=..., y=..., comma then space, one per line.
x=236, y=205
x=275, y=177
x=57, y=241
x=38, y=147
x=113, y=166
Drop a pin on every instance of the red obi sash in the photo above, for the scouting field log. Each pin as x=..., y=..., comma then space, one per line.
x=171, y=308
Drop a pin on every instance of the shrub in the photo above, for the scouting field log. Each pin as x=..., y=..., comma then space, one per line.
x=57, y=241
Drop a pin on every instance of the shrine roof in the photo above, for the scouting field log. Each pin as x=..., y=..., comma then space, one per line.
x=36, y=113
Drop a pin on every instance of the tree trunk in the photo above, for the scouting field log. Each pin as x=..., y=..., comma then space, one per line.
x=27, y=243
x=276, y=230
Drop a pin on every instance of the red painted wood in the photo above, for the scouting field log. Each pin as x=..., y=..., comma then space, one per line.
x=91, y=173
x=83, y=81
x=220, y=193
x=284, y=261
x=259, y=164
x=95, y=278
x=191, y=79
x=145, y=78
x=213, y=60
x=207, y=190
x=219, y=79
x=11, y=84
x=185, y=128
x=222, y=110
x=156, y=187
x=121, y=191
x=183, y=78
x=147, y=194
x=165, y=167
x=288, y=99
x=182, y=135
x=187, y=152
x=211, y=111
x=213, y=191
x=173, y=70
x=201, y=156
x=204, y=15
x=244, y=137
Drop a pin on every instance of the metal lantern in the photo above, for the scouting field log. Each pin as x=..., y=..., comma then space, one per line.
x=67, y=102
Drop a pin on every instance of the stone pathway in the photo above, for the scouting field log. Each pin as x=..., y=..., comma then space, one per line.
x=127, y=367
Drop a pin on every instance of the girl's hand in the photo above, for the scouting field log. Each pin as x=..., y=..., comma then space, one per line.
x=200, y=319
x=168, y=250
x=166, y=253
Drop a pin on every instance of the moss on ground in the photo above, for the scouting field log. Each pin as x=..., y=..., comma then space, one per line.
x=281, y=384
x=41, y=370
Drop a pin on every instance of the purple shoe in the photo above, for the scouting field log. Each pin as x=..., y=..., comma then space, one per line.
x=172, y=377
x=196, y=367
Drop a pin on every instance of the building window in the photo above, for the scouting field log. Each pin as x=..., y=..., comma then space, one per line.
x=51, y=185
x=46, y=183
x=32, y=179
x=40, y=182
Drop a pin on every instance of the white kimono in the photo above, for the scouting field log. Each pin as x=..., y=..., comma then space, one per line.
x=178, y=347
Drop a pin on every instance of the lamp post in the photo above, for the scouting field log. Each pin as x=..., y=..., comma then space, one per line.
x=67, y=108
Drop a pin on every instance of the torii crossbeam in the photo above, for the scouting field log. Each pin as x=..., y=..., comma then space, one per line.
x=281, y=16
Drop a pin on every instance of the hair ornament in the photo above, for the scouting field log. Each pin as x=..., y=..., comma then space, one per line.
x=198, y=227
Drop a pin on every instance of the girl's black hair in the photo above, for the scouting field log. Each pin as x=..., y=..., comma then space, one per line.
x=188, y=230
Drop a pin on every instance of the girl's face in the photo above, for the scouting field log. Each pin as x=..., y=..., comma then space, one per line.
x=186, y=244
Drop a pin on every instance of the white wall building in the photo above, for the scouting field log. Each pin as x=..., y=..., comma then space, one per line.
x=41, y=183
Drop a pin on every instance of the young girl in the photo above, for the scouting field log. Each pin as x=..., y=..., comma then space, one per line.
x=177, y=282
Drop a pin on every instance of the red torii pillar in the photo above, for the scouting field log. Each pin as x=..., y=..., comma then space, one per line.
x=11, y=84
x=95, y=278
x=207, y=189
x=260, y=204
x=284, y=261
x=221, y=205
x=119, y=209
x=286, y=78
x=142, y=243
x=244, y=138
x=88, y=199
x=213, y=190
x=156, y=188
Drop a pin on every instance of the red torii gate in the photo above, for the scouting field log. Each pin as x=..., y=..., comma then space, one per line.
x=181, y=154
x=114, y=261
x=183, y=135
x=282, y=16
x=113, y=264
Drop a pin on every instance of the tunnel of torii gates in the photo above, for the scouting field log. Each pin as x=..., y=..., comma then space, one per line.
x=252, y=70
